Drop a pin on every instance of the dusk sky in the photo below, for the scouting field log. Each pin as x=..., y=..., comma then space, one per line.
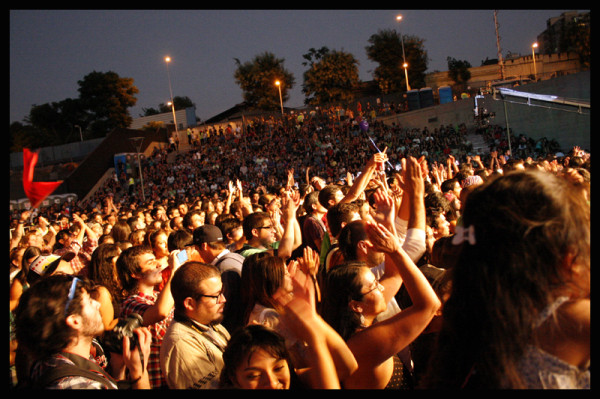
x=51, y=50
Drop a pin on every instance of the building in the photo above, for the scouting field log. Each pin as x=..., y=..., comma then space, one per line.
x=185, y=118
x=549, y=41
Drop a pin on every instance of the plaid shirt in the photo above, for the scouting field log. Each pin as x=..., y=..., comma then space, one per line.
x=139, y=303
x=69, y=382
x=84, y=254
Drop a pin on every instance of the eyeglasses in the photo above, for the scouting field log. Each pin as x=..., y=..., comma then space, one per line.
x=216, y=297
x=265, y=227
x=377, y=286
x=71, y=293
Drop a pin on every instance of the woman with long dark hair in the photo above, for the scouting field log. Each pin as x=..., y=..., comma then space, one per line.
x=352, y=299
x=518, y=315
x=107, y=289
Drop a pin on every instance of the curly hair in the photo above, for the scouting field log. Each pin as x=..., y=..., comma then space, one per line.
x=40, y=316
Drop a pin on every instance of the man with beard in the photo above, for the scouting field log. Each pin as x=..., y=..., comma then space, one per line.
x=57, y=321
x=191, y=354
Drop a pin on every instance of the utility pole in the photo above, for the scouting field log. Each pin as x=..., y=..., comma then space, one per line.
x=500, y=60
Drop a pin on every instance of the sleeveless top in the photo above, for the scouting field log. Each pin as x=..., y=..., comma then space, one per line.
x=400, y=377
x=542, y=370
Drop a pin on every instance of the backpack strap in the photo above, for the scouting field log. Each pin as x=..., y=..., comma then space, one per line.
x=80, y=367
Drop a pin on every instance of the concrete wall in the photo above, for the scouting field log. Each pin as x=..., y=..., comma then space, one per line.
x=547, y=66
x=564, y=124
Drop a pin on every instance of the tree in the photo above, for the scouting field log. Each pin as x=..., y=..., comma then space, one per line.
x=257, y=79
x=54, y=123
x=21, y=135
x=314, y=55
x=386, y=49
x=178, y=102
x=149, y=111
x=106, y=98
x=331, y=78
x=458, y=71
x=101, y=106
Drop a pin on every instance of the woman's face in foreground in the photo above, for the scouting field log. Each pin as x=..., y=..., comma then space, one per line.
x=263, y=371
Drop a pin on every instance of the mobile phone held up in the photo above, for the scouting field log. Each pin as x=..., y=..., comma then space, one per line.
x=182, y=256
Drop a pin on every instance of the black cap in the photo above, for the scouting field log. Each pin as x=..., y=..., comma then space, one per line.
x=207, y=233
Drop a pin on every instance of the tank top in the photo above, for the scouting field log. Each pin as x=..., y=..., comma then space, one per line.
x=542, y=370
x=400, y=379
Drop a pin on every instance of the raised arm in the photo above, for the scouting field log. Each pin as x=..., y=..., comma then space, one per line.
x=330, y=358
x=361, y=182
x=292, y=234
x=377, y=343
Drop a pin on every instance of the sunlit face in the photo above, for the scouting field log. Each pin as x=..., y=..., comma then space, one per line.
x=261, y=370
x=274, y=205
x=208, y=309
x=160, y=247
x=36, y=240
x=197, y=220
x=266, y=233
x=236, y=234
x=443, y=226
x=456, y=189
x=182, y=209
x=339, y=196
x=150, y=272
x=92, y=319
x=372, y=301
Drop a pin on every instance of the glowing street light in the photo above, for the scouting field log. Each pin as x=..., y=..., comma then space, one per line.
x=167, y=60
x=404, y=64
x=533, y=47
x=278, y=84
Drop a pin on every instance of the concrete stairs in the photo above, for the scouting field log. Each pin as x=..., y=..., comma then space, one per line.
x=480, y=147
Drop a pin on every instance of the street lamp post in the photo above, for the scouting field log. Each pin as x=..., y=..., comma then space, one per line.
x=167, y=60
x=80, y=135
x=137, y=144
x=404, y=64
x=170, y=103
x=533, y=47
x=278, y=84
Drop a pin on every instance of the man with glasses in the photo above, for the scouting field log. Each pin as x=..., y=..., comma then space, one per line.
x=191, y=354
x=260, y=230
x=208, y=241
x=260, y=234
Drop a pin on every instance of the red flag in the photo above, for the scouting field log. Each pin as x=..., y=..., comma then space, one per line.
x=35, y=191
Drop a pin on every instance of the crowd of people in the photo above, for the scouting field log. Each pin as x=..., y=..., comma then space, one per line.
x=319, y=252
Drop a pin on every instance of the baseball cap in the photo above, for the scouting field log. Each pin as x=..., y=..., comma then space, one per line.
x=207, y=233
x=48, y=263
